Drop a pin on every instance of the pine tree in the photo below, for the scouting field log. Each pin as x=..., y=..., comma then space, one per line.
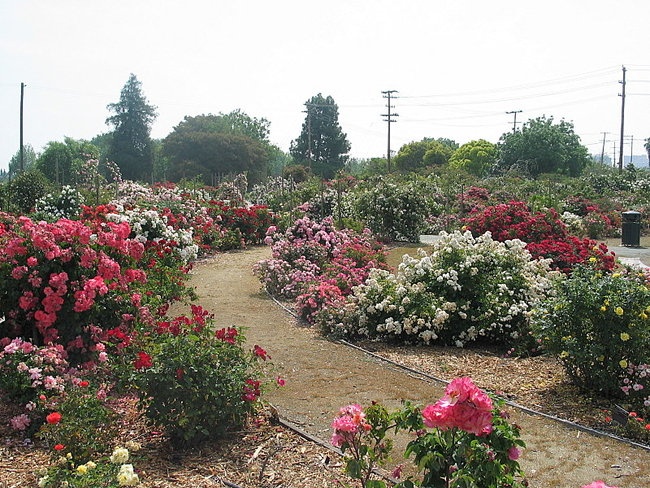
x=322, y=144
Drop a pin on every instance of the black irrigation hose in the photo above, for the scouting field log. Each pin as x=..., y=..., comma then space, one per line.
x=421, y=374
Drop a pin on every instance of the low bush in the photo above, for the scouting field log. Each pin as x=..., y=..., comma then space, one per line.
x=465, y=289
x=194, y=382
x=598, y=325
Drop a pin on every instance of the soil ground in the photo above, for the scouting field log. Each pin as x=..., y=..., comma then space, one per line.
x=321, y=376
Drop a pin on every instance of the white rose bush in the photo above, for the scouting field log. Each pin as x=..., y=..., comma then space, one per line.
x=464, y=290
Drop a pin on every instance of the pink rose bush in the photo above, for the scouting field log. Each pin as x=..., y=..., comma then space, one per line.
x=316, y=264
x=470, y=440
x=86, y=299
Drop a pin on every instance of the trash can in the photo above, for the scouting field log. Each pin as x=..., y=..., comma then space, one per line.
x=631, y=228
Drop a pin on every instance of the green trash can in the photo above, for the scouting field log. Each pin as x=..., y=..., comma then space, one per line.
x=631, y=228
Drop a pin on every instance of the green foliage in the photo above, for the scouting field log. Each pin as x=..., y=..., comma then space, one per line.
x=209, y=146
x=64, y=205
x=367, y=167
x=541, y=146
x=131, y=143
x=322, y=144
x=29, y=159
x=392, y=211
x=475, y=157
x=427, y=152
x=26, y=188
x=62, y=162
x=194, y=383
x=597, y=323
x=296, y=173
x=85, y=428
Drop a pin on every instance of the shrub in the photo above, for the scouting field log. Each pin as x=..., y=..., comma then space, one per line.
x=545, y=233
x=56, y=280
x=76, y=417
x=26, y=188
x=466, y=289
x=65, y=205
x=393, y=212
x=310, y=251
x=193, y=382
x=470, y=441
x=514, y=220
x=597, y=323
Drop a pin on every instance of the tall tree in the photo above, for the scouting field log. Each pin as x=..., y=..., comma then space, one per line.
x=427, y=152
x=61, y=162
x=322, y=144
x=131, y=143
x=29, y=158
x=475, y=157
x=209, y=145
x=542, y=146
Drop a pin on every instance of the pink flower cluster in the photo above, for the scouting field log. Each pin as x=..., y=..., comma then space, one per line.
x=464, y=406
x=349, y=424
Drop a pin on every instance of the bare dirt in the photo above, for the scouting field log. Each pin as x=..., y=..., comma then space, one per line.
x=321, y=376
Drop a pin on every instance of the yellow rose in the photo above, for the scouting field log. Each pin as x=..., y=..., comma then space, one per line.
x=564, y=354
x=592, y=259
x=625, y=336
x=618, y=311
x=622, y=363
x=603, y=308
x=83, y=469
x=601, y=358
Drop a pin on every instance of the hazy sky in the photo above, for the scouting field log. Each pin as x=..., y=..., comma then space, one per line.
x=458, y=66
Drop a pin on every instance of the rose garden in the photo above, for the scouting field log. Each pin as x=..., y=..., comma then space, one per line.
x=520, y=267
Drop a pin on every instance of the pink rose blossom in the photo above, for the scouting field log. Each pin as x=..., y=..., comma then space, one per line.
x=513, y=453
x=598, y=484
x=20, y=422
x=464, y=406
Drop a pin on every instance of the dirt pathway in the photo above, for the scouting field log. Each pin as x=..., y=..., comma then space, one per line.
x=321, y=376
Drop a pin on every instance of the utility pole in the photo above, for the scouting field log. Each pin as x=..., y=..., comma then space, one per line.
x=388, y=94
x=622, y=95
x=602, y=152
x=308, y=112
x=22, y=151
x=514, y=123
x=631, y=147
x=614, y=158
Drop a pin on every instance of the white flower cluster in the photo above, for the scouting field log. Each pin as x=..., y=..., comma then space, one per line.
x=574, y=223
x=65, y=205
x=466, y=289
x=149, y=225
